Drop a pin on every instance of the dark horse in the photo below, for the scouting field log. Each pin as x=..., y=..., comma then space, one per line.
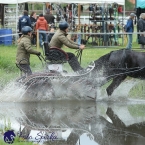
x=117, y=65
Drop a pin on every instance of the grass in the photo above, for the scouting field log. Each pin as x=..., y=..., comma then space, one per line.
x=9, y=71
x=16, y=143
x=137, y=110
x=8, y=55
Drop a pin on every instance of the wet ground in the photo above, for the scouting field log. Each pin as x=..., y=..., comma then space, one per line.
x=119, y=120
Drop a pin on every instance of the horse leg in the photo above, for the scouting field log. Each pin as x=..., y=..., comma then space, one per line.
x=115, y=83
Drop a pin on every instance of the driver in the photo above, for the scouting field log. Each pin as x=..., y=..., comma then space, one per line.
x=24, y=50
x=60, y=38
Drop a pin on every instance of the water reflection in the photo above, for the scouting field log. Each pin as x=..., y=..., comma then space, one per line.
x=75, y=122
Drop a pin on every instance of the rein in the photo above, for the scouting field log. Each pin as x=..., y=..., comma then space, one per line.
x=41, y=59
x=79, y=54
x=126, y=68
x=132, y=71
x=109, y=78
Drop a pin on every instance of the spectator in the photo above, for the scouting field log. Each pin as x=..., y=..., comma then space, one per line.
x=24, y=20
x=33, y=18
x=120, y=10
x=130, y=29
x=50, y=35
x=49, y=17
x=42, y=26
x=24, y=50
x=141, y=26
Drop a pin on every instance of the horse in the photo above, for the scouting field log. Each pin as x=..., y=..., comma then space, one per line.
x=118, y=65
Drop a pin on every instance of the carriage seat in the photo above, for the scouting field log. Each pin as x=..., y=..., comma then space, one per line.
x=55, y=58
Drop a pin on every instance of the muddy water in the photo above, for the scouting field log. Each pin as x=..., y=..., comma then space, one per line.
x=75, y=122
x=61, y=120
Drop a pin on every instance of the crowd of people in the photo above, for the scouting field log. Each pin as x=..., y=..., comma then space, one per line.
x=141, y=28
x=41, y=23
x=129, y=28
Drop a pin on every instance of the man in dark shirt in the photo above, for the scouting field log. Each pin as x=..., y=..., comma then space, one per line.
x=49, y=17
x=24, y=21
x=130, y=29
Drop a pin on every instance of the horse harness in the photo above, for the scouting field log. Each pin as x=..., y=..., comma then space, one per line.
x=121, y=61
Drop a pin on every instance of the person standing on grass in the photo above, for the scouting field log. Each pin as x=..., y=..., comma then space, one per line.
x=24, y=21
x=49, y=17
x=130, y=29
x=50, y=34
x=42, y=26
x=33, y=18
x=24, y=50
x=141, y=26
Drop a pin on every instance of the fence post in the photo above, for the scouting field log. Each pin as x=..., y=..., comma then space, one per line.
x=37, y=39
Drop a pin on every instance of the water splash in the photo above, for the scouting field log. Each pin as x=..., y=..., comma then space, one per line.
x=65, y=89
x=120, y=94
x=11, y=92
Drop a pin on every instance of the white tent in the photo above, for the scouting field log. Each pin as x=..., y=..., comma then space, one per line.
x=121, y=2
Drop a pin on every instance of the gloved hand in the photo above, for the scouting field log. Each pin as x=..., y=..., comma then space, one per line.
x=39, y=53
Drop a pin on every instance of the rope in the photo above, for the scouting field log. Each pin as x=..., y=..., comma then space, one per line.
x=79, y=54
x=109, y=78
x=140, y=68
x=123, y=33
x=41, y=60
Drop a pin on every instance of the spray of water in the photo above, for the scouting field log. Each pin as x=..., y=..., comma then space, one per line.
x=65, y=88
x=11, y=92
x=120, y=94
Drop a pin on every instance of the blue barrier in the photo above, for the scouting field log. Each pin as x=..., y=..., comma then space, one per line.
x=5, y=40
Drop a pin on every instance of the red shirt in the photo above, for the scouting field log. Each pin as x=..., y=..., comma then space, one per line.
x=41, y=24
x=120, y=9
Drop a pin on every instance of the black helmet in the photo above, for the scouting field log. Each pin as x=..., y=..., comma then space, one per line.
x=63, y=25
x=26, y=29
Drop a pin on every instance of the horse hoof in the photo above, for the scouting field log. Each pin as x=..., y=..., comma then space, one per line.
x=108, y=92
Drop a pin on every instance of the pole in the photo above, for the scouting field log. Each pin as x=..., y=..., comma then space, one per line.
x=79, y=12
x=79, y=35
x=37, y=39
x=16, y=20
x=123, y=21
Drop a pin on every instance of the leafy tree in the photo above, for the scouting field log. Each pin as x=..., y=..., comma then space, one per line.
x=129, y=6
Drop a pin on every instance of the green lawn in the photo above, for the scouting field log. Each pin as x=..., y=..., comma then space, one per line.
x=17, y=143
x=8, y=69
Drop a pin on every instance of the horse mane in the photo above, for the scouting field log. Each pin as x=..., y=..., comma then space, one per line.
x=103, y=60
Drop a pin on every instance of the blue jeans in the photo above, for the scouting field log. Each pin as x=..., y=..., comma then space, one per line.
x=79, y=39
x=129, y=45
x=42, y=37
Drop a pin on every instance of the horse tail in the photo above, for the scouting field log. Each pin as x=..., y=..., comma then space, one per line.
x=102, y=61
